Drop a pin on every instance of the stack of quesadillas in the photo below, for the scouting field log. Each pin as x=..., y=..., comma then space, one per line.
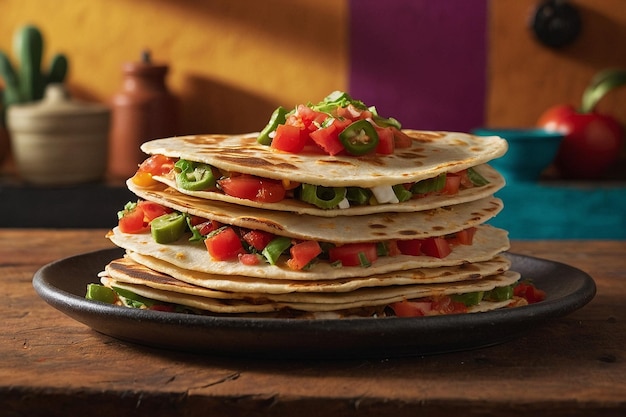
x=362, y=222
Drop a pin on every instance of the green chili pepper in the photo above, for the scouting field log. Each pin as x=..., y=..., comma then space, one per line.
x=469, y=299
x=357, y=195
x=194, y=176
x=476, y=179
x=499, y=293
x=322, y=197
x=168, y=227
x=275, y=248
x=359, y=138
x=402, y=193
x=131, y=299
x=278, y=117
x=429, y=185
x=99, y=292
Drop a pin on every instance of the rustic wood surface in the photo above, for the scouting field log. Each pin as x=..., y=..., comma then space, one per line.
x=51, y=365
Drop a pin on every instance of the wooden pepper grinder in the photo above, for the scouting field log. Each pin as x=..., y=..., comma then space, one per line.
x=141, y=111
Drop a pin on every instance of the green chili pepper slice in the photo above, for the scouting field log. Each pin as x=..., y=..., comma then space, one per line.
x=194, y=176
x=429, y=185
x=359, y=138
x=168, y=227
x=469, y=299
x=278, y=117
x=99, y=292
x=275, y=248
x=402, y=193
x=322, y=197
x=499, y=293
x=358, y=196
x=476, y=179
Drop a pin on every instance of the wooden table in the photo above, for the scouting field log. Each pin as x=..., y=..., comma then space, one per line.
x=51, y=365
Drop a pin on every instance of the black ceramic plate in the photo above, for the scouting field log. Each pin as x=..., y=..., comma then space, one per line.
x=63, y=284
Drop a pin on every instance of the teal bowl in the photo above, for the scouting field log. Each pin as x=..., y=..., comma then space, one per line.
x=530, y=152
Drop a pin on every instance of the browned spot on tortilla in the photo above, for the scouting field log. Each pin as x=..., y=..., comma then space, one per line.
x=334, y=162
x=438, y=228
x=377, y=226
x=265, y=222
x=256, y=162
x=409, y=232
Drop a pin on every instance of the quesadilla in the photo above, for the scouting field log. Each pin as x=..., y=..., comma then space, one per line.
x=423, y=170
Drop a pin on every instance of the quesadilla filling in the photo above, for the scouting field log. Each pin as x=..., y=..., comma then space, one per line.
x=194, y=176
x=256, y=247
x=338, y=124
x=514, y=295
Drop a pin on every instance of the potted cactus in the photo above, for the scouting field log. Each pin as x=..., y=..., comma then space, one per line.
x=26, y=82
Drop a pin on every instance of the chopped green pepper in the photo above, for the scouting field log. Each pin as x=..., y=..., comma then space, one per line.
x=99, y=292
x=359, y=138
x=357, y=195
x=476, y=179
x=500, y=293
x=168, y=227
x=194, y=176
x=469, y=299
x=278, y=117
x=322, y=197
x=429, y=185
x=275, y=248
x=402, y=193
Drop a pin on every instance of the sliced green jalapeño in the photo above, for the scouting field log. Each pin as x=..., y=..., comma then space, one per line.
x=277, y=118
x=194, y=176
x=275, y=248
x=168, y=228
x=359, y=138
x=322, y=197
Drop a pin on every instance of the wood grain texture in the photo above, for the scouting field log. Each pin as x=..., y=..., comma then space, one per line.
x=51, y=365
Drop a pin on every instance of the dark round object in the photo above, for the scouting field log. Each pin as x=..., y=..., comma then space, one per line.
x=556, y=23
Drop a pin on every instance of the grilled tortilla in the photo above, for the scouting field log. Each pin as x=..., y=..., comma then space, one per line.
x=148, y=283
x=430, y=154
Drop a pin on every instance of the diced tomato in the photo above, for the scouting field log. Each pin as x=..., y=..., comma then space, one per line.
x=155, y=165
x=465, y=237
x=249, y=259
x=163, y=307
x=401, y=139
x=407, y=308
x=410, y=247
x=152, y=210
x=349, y=254
x=386, y=144
x=132, y=221
x=445, y=305
x=224, y=245
x=465, y=181
x=310, y=118
x=207, y=226
x=453, y=182
x=258, y=239
x=289, y=138
x=529, y=292
x=437, y=247
x=302, y=253
x=327, y=138
x=253, y=188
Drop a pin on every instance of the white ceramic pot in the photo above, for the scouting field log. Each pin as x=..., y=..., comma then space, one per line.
x=59, y=141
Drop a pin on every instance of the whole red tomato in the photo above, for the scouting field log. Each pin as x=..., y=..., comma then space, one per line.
x=592, y=141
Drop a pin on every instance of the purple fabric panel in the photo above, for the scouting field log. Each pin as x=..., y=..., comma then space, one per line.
x=421, y=61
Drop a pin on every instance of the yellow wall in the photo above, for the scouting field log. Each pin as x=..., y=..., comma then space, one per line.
x=231, y=62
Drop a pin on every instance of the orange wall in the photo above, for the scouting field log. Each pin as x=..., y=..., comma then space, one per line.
x=231, y=62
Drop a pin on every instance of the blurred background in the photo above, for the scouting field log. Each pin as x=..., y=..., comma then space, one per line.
x=434, y=65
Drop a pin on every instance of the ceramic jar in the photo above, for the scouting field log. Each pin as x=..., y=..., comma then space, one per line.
x=142, y=110
x=59, y=141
